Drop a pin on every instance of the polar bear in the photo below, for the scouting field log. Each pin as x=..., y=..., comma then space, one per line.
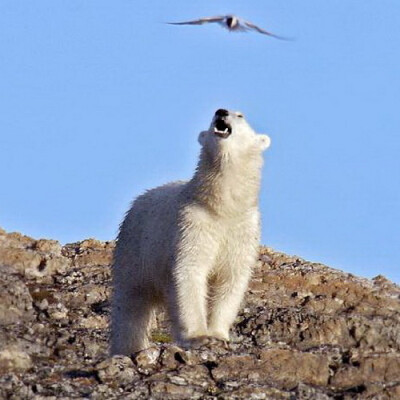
x=191, y=246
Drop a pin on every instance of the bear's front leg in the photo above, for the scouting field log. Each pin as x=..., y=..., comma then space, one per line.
x=195, y=257
x=226, y=303
x=237, y=259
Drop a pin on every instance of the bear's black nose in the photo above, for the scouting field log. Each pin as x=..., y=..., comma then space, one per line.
x=222, y=113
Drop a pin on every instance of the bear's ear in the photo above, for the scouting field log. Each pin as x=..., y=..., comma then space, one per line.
x=202, y=137
x=263, y=141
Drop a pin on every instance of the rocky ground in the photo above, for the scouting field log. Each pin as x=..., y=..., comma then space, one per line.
x=306, y=331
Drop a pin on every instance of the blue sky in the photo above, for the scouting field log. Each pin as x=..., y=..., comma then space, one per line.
x=100, y=100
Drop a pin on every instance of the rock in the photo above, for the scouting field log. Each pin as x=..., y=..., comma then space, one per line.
x=173, y=356
x=15, y=299
x=146, y=360
x=165, y=390
x=32, y=258
x=305, y=331
x=90, y=252
x=377, y=368
x=117, y=368
x=14, y=359
x=47, y=246
x=15, y=240
x=26, y=262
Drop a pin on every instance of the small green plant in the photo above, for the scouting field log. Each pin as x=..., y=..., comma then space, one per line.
x=161, y=337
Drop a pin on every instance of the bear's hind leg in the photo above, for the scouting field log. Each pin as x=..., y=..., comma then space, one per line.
x=131, y=322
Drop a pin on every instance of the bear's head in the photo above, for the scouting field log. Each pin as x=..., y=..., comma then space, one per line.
x=230, y=133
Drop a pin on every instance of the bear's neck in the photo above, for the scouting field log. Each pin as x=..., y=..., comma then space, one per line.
x=227, y=185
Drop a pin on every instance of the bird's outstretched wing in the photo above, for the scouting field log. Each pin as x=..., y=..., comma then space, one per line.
x=200, y=21
x=250, y=25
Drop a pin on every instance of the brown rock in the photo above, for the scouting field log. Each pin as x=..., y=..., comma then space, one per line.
x=284, y=368
x=32, y=258
x=47, y=246
x=26, y=262
x=375, y=369
x=90, y=252
x=15, y=299
x=147, y=360
x=166, y=390
x=12, y=358
x=116, y=369
x=173, y=356
x=306, y=331
x=289, y=368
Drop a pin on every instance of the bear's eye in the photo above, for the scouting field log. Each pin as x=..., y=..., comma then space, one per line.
x=239, y=115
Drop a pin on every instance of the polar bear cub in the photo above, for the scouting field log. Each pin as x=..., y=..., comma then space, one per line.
x=190, y=246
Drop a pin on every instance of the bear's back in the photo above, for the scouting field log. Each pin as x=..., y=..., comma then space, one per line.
x=147, y=232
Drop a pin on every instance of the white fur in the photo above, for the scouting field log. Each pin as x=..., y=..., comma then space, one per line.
x=191, y=245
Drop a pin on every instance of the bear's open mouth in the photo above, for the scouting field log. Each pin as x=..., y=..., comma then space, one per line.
x=222, y=128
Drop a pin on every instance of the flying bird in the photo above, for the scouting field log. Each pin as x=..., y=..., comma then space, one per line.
x=230, y=22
